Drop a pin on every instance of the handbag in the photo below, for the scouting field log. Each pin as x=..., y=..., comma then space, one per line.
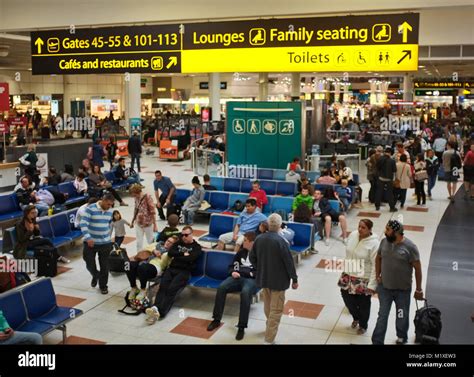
x=353, y=285
x=421, y=175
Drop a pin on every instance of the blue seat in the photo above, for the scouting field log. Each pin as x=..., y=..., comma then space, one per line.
x=14, y=310
x=246, y=185
x=232, y=184
x=265, y=173
x=313, y=175
x=356, y=180
x=279, y=174
x=198, y=272
x=237, y=196
x=181, y=195
x=219, y=224
x=110, y=176
x=270, y=187
x=41, y=306
x=62, y=227
x=219, y=202
x=335, y=205
x=267, y=208
x=216, y=270
x=282, y=203
x=46, y=231
x=207, y=196
x=286, y=188
x=302, y=239
x=218, y=183
x=68, y=188
x=9, y=207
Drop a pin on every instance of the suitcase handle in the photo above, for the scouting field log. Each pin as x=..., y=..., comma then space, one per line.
x=425, y=300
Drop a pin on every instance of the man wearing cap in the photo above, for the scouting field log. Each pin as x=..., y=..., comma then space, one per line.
x=397, y=256
x=386, y=168
x=135, y=149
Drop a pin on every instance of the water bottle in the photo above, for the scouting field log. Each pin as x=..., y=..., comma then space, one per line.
x=50, y=211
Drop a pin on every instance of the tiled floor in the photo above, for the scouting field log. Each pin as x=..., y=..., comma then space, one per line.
x=318, y=317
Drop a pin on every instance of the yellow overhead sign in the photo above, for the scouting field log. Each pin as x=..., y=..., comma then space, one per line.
x=387, y=42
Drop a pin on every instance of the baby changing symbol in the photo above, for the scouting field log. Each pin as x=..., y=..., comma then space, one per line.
x=269, y=127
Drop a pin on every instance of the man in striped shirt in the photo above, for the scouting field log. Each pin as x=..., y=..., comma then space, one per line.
x=95, y=225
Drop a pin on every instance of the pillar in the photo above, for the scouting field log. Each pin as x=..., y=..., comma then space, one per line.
x=263, y=87
x=66, y=96
x=407, y=88
x=215, y=95
x=295, y=86
x=132, y=102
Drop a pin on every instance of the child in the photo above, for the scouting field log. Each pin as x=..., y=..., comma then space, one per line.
x=345, y=194
x=119, y=225
x=171, y=229
x=80, y=184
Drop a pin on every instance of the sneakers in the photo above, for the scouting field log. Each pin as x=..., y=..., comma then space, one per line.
x=354, y=324
x=326, y=241
x=313, y=251
x=94, y=282
x=104, y=291
x=361, y=331
x=63, y=260
x=393, y=210
x=213, y=325
x=123, y=204
x=401, y=341
x=133, y=293
x=153, y=315
x=240, y=334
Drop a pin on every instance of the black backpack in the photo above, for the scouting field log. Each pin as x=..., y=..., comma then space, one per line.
x=238, y=206
x=456, y=161
x=427, y=324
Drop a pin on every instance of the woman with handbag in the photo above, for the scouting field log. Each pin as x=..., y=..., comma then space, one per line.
x=147, y=265
x=421, y=175
x=402, y=180
x=98, y=184
x=144, y=216
x=358, y=281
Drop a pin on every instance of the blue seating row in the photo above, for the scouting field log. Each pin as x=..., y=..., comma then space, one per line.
x=220, y=224
x=116, y=183
x=212, y=268
x=33, y=308
x=279, y=174
x=223, y=201
x=245, y=185
x=58, y=228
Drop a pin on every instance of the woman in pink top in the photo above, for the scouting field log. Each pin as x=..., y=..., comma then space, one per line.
x=326, y=179
x=469, y=173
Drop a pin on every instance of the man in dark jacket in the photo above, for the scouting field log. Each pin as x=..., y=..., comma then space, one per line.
x=185, y=253
x=386, y=168
x=275, y=268
x=135, y=149
x=241, y=279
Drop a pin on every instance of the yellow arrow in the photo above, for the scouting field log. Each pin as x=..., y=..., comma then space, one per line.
x=39, y=42
x=173, y=61
x=405, y=28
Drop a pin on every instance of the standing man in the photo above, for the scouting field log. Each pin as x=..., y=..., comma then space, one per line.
x=135, y=149
x=164, y=193
x=96, y=225
x=452, y=165
x=386, y=168
x=184, y=254
x=259, y=195
x=275, y=268
x=241, y=279
x=397, y=256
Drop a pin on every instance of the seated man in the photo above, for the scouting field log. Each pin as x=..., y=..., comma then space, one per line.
x=303, y=198
x=248, y=221
x=207, y=183
x=322, y=209
x=123, y=174
x=259, y=195
x=185, y=253
x=27, y=196
x=241, y=279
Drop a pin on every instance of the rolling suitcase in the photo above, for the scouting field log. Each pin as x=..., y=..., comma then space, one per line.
x=427, y=324
x=47, y=262
x=118, y=259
